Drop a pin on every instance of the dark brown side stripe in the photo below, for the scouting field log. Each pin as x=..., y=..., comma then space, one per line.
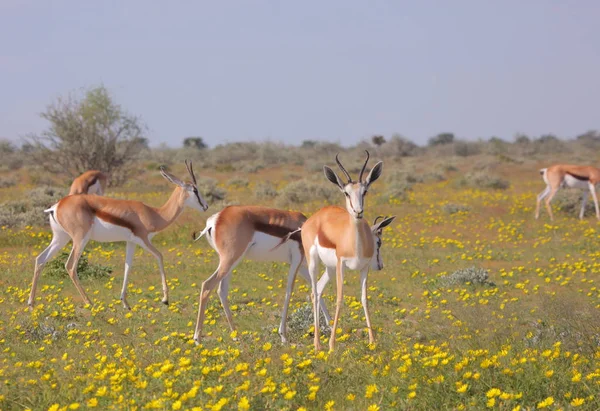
x=109, y=218
x=578, y=177
x=277, y=231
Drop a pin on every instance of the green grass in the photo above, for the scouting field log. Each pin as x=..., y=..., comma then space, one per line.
x=532, y=339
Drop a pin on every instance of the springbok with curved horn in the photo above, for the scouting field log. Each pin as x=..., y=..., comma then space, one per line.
x=90, y=182
x=562, y=175
x=253, y=233
x=376, y=261
x=84, y=217
x=341, y=238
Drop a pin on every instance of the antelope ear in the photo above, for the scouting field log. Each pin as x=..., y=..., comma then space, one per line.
x=374, y=174
x=333, y=177
x=171, y=177
x=384, y=223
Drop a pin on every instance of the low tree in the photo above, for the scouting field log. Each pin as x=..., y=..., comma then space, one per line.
x=378, y=140
x=442, y=138
x=194, y=142
x=89, y=132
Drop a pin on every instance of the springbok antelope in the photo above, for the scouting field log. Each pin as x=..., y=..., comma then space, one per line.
x=341, y=238
x=563, y=175
x=90, y=182
x=376, y=261
x=84, y=217
x=253, y=233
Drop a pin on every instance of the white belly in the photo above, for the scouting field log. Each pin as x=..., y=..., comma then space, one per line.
x=260, y=248
x=329, y=258
x=572, y=182
x=104, y=232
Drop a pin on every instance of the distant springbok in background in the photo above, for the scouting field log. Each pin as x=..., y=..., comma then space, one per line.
x=341, y=238
x=253, y=233
x=562, y=175
x=90, y=182
x=84, y=217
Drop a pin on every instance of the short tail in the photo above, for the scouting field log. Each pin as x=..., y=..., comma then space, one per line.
x=206, y=229
x=51, y=212
x=286, y=238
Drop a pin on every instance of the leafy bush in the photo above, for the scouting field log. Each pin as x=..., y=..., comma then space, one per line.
x=30, y=211
x=6, y=182
x=265, y=190
x=472, y=275
x=484, y=180
x=238, y=182
x=301, y=320
x=569, y=201
x=303, y=191
x=210, y=191
x=89, y=132
x=56, y=268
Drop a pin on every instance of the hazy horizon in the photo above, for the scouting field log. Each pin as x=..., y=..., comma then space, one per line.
x=288, y=72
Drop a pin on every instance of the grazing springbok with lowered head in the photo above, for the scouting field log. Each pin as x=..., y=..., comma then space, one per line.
x=90, y=182
x=84, y=217
x=341, y=238
x=253, y=233
x=562, y=175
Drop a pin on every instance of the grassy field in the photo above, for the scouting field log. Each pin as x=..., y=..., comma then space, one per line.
x=527, y=337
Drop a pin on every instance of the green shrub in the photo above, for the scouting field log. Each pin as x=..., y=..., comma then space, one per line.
x=472, y=275
x=265, y=190
x=30, y=211
x=484, y=180
x=303, y=191
x=56, y=268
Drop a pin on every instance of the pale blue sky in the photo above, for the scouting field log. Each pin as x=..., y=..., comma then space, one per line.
x=328, y=70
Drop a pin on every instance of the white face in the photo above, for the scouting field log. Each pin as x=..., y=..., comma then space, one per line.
x=355, y=198
x=194, y=198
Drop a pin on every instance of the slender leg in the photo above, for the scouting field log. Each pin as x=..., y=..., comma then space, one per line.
x=129, y=251
x=595, y=197
x=583, y=204
x=540, y=197
x=207, y=286
x=339, y=270
x=295, y=261
x=548, y=200
x=363, y=299
x=313, y=263
x=320, y=287
x=146, y=244
x=59, y=240
x=71, y=266
x=223, y=291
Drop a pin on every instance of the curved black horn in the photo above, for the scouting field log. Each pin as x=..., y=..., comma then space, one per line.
x=363, y=169
x=337, y=160
x=377, y=218
x=190, y=170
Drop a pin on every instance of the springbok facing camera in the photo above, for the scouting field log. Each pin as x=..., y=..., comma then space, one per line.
x=81, y=218
x=562, y=175
x=253, y=233
x=376, y=261
x=341, y=238
x=90, y=182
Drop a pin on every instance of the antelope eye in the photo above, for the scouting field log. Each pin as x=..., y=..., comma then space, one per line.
x=346, y=194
